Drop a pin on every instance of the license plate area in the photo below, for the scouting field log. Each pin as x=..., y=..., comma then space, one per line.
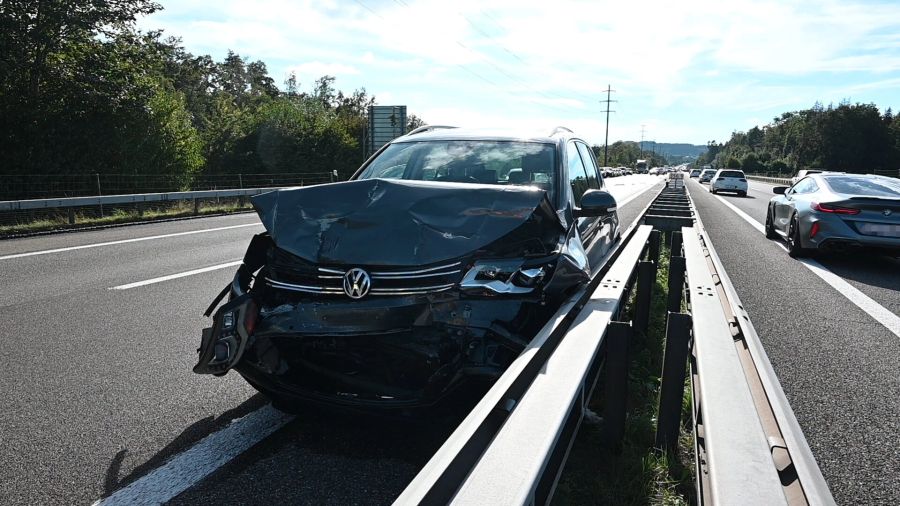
x=879, y=229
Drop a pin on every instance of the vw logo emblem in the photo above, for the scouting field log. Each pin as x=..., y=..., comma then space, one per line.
x=356, y=283
x=887, y=212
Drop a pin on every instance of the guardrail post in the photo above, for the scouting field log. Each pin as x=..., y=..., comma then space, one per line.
x=677, y=267
x=99, y=193
x=675, y=244
x=678, y=333
x=71, y=216
x=646, y=277
x=654, y=246
x=196, y=206
x=616, y=382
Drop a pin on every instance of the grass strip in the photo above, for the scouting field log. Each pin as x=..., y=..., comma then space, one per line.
x=634, y=474
x=121, y=216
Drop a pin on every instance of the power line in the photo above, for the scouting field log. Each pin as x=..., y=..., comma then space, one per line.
x=642, y=142
x=607, y=111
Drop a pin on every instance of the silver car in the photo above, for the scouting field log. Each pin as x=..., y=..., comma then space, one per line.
x=836, y=212
x=707, y=175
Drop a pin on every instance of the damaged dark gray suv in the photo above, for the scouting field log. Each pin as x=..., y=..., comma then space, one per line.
x=434, y=265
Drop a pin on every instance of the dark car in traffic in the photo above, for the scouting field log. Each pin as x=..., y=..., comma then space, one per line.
x=836, y=212
x=434, y=265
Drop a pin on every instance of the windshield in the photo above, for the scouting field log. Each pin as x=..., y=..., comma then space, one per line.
x=468, y=161
x=731, y=173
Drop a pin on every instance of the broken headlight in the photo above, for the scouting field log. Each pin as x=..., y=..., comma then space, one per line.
x=503, y=276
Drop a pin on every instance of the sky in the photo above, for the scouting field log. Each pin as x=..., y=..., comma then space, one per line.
x=688, y=71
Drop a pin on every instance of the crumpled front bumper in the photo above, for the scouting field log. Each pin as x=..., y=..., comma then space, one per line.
x=386, y=352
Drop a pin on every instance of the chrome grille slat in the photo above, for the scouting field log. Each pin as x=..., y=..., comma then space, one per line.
x=300, y=276
x=419, y=271
x=415, y=276
x=418, y=288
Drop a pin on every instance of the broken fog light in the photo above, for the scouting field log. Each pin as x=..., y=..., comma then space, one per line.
x=503, y=276
x=224, y=343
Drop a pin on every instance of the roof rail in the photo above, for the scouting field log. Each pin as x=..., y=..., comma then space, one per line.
x=561, y=129
x=429, y=128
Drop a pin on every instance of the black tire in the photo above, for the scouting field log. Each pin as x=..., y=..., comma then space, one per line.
x=795, y=248
x=770, y=227
x=742, y=194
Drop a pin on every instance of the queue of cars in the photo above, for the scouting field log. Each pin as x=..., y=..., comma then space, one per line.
x=616, y=171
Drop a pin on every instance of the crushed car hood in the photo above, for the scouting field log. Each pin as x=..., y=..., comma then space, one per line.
x=397, y=222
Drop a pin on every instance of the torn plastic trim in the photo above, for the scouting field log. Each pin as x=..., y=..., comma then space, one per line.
x=223, y=344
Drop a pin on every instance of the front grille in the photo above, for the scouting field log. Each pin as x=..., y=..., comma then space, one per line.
x=288, y=272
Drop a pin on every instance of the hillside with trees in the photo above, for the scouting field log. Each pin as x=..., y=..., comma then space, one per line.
x=82, y=91
x=625, y=153
x=850, y=137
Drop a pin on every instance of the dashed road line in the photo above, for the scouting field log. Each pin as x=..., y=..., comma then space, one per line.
x=124, y=241
x=175, y=276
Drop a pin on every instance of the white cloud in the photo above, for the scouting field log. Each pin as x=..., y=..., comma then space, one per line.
x=316, y=69
x=537, y=62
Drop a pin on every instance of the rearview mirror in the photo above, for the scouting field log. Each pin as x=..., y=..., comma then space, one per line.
x=596, y=203
x=779, y=190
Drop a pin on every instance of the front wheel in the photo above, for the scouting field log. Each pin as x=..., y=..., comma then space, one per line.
x=742, y=194
x=795, y=248
x=770, y=227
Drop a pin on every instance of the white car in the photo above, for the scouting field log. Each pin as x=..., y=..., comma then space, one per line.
x=729, y=180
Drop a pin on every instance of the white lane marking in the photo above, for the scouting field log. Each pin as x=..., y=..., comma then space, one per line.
x=125, y=241
x=175, y=276
x=199, y=461
x=880, y=313
x=874, y=309
x=634, y=195
x=755, y=224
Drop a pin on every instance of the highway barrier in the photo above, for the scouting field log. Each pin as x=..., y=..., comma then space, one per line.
x=66, y=211
x=513, y=445
x=770, y=180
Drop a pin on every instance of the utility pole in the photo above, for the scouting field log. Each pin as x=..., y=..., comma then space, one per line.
x=642, y=142
x=607, y=111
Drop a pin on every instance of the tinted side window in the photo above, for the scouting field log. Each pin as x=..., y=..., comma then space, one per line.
x=806, y=185
x=594, y=178
x=578, y=179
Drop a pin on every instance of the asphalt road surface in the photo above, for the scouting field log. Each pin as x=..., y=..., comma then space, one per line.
x=830, y=328
x=99, y=332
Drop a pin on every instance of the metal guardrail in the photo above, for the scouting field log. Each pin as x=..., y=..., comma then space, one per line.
x=442, y=477
x=772, y=180
x=21, y=205
x=798, y=473
x=512, y=446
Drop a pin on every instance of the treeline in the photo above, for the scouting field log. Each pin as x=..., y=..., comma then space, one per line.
x=850, y=138
x=82, y=91
x=626, y=153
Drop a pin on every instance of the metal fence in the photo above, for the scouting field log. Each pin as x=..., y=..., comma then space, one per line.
x=26, y=216
x=40, y=186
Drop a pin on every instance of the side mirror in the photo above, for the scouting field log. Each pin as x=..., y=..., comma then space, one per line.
x=596, y=203
x=779, y=190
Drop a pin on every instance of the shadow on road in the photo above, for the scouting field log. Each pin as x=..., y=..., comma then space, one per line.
x=864, y=267
x=188, y=437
